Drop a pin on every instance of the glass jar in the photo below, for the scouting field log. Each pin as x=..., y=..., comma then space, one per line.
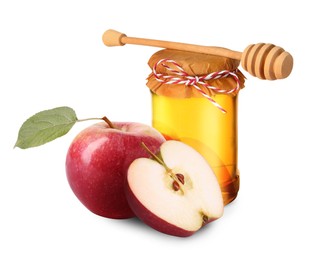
x=182, y=112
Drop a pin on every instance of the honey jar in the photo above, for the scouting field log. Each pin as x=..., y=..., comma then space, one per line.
x=195, y=101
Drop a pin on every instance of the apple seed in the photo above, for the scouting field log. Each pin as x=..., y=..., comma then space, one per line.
x=180, y=177
x=175, y=186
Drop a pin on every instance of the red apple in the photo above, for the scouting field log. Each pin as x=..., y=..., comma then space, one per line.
x=97, y=163
x=176, y=192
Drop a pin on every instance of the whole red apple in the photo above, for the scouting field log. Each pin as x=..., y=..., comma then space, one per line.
x=97, y=163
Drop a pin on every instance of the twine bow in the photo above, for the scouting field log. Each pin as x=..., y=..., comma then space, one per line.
x=179, y=76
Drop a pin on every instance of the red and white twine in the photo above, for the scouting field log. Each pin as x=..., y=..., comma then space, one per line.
x=181, y=77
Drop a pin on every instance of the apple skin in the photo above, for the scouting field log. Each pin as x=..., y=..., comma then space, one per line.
x=151, y=219
x=97, y=162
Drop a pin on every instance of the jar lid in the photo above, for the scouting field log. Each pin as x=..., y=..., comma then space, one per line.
x=173, y=64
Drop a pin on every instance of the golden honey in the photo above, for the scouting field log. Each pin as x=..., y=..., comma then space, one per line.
x=198, y=123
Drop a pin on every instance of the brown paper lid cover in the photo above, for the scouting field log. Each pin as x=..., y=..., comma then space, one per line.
x=194, y=64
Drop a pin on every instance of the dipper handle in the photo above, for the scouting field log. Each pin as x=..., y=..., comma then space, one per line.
x=265, y=61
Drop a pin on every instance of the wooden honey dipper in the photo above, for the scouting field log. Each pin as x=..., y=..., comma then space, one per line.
x=262, y=60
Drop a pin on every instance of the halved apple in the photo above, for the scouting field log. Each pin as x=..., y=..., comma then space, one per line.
x=175, y=192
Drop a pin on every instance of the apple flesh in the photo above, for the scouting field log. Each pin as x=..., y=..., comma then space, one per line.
x=177, y=193
x=97, y=163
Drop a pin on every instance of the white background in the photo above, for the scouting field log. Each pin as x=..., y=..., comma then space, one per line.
x=51, y=54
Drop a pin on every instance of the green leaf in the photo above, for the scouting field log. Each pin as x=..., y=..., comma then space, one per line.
x=46, y=126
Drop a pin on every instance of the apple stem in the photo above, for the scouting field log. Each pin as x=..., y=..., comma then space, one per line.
x=105, y=119
x=155, y=157
x=178, y=179
x=88, y=119
x=108, y=122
